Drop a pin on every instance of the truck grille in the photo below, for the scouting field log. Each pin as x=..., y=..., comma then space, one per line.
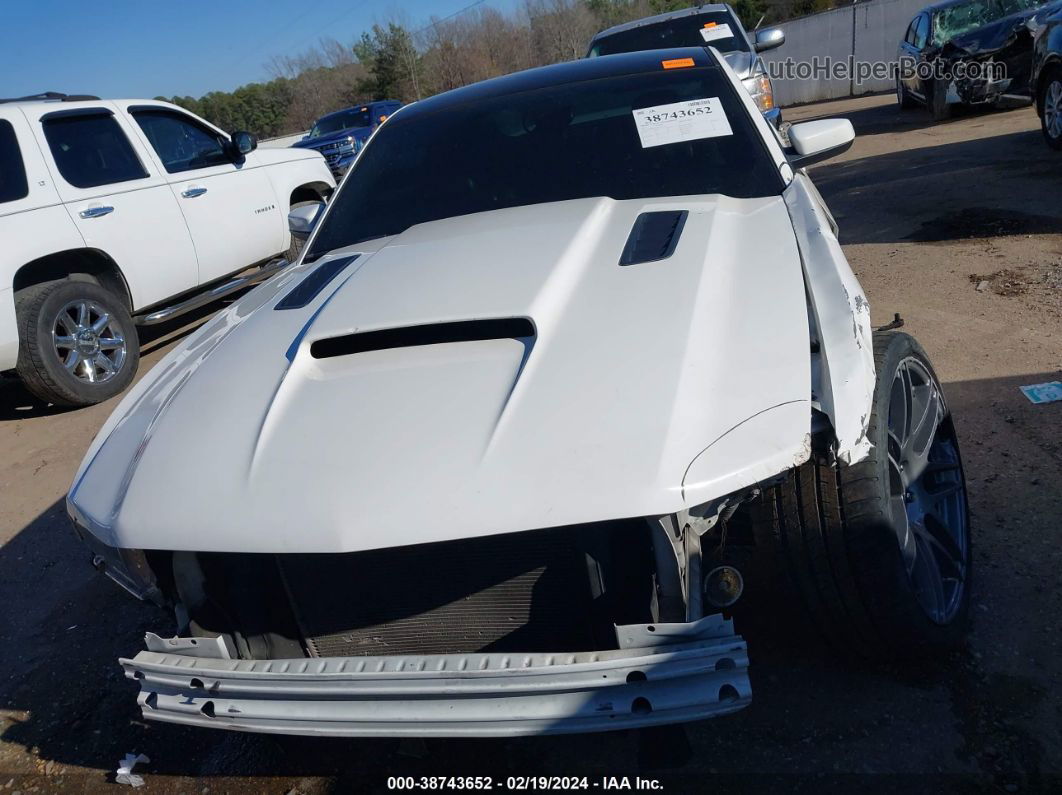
x=334, y=151
x=518, y=592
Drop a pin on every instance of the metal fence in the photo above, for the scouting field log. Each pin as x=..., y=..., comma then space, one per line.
x=865, y=32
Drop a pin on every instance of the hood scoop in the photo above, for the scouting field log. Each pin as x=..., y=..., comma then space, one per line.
x=428, y=334
x=653, y=237
x=311, y=286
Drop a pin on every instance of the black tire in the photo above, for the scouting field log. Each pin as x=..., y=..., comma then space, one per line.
x=40, y=360
x=903, y=99
x=938, y=101
x=1050, y=83
x=832, y=531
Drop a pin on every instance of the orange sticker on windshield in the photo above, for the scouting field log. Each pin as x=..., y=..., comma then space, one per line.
x=710, y=24
x=678, y=63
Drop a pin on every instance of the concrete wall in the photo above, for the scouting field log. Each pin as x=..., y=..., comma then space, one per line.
x=879, y=27
x=284, y=141
x=868, y=32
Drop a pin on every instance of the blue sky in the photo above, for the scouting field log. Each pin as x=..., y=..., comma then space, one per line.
x=144, y=48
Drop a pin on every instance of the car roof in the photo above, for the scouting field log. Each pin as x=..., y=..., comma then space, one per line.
x=49, y=105
x=712, y=8
x=46, y=96
x=605, y=66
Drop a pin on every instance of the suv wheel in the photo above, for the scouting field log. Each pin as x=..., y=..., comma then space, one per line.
x=77, y=344
x=1051, y=107
x=879, y=552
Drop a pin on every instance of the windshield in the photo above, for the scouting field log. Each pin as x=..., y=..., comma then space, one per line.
x=717, y=29
x=569, y=141
x=344, y=120
x=956, y=20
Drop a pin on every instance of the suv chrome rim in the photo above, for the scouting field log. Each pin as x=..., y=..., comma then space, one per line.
x=87, y=342
x=927, y=491
x=1053, y=109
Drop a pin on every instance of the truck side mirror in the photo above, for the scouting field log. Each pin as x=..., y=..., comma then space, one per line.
x=243, y=142
x=769, y=39
x=814, y=141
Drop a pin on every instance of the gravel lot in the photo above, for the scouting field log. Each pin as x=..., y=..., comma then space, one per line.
x=956, y=226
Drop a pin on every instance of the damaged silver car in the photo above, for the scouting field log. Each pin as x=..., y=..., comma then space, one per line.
x=572, y=355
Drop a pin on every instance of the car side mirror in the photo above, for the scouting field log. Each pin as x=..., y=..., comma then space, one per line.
x=814, y=141
x=302, y=220
x=243, y=142
x=769, y=39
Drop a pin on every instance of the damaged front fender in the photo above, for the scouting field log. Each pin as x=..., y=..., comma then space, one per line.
x=842, y=341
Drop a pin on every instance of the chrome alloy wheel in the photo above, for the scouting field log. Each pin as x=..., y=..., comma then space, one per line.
x=1053, y=108
x=927, y=492
x=86, y=341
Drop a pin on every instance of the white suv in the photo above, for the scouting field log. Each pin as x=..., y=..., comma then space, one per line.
x=121, y=213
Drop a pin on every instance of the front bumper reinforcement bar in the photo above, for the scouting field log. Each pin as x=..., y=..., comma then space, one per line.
x=451, y=695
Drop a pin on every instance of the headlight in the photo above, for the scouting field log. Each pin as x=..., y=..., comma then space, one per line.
x=759, y=88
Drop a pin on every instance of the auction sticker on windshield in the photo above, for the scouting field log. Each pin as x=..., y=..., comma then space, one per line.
x=681, y=121
x=711, y=32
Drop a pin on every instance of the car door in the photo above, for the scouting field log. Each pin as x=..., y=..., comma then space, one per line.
x=906, y=55
x=920, y=81
x=909, y=55
x=229, y=203
x=117, y=198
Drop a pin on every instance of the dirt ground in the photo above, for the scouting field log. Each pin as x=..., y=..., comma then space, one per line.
x=956, y=226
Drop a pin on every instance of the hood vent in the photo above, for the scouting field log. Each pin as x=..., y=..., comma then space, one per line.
x=311, y=286
x=428, y=334
x=653, y=237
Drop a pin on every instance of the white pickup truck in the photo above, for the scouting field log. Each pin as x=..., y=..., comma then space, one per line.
x=121, y=213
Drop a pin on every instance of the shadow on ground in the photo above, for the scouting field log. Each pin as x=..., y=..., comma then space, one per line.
x=964, y=721
x=887, y=118
x=987, y=187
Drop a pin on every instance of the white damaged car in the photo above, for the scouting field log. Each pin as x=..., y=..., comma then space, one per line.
x=566, y=348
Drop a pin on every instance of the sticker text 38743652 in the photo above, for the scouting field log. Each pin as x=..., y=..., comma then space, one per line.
x=681, y=121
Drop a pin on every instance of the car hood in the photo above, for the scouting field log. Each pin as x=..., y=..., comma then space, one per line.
x=314, y=143
x=992, y=37
x=645, y=389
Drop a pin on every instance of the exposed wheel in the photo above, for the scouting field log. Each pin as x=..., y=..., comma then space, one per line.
x=903, y=99
x=938, y=101
x=77, y=343
x=1051, y=107
x=879, y=551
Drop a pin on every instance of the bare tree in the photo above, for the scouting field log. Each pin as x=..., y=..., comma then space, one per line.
x=406, y=62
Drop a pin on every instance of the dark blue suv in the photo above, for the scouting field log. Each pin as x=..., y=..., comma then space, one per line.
x=340, y=135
